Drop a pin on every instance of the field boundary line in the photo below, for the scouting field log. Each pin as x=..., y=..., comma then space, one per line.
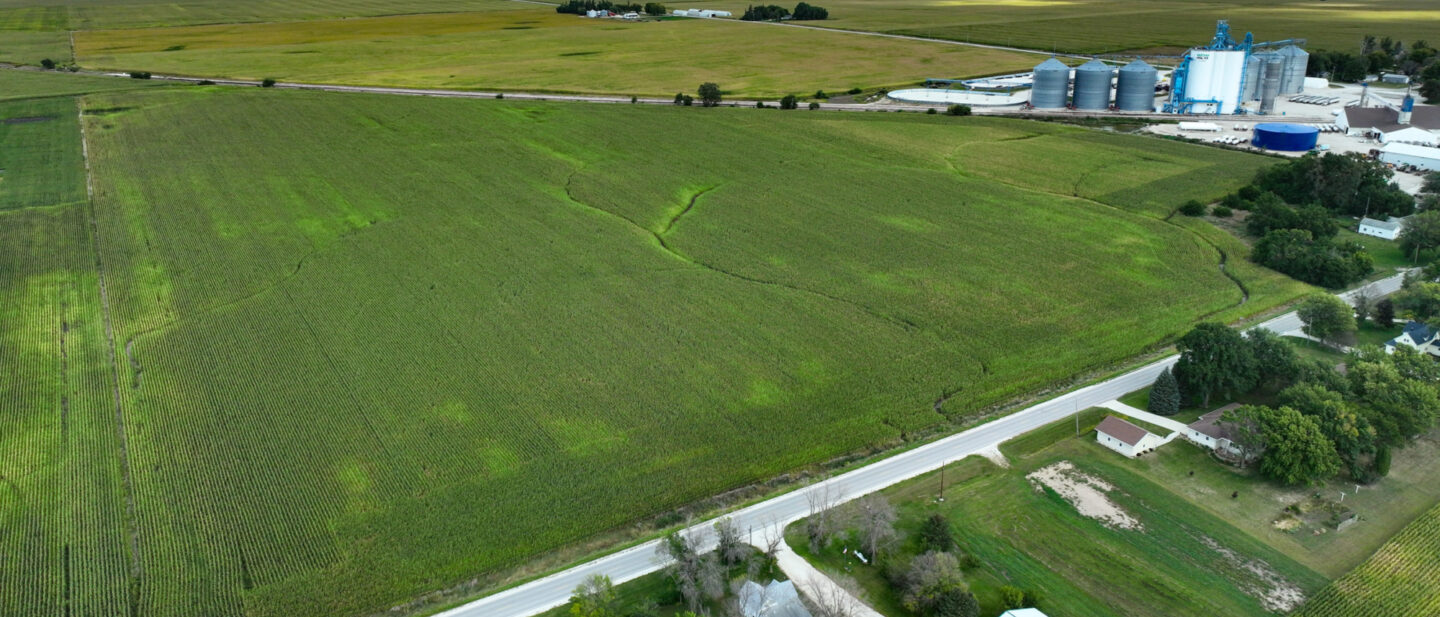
x=130, y=516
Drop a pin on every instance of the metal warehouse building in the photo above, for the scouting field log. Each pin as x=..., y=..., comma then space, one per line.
x=1407, y=154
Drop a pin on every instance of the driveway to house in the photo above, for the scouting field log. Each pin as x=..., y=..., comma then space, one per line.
x=768, y=518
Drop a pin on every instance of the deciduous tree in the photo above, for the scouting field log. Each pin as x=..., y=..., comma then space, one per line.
x=594, y=598
x=1326, y=317
x=709, y=94
x=1214, y=359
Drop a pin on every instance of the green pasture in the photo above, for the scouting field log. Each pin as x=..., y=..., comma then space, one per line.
x=1108, y=26
x=1182, y=561
x=535, y=49
x=369, y=347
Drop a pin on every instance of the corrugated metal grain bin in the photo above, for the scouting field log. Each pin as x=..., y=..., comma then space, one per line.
x=1092, y=85
x=1135, y=89
x=1052, y=85
x=1297, y=60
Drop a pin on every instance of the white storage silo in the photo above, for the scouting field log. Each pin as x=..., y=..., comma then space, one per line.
x=1213, y=82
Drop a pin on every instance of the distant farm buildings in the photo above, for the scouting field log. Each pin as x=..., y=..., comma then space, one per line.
x=705, y=13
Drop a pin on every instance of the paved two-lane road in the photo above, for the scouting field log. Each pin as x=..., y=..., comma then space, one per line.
x=768, y=516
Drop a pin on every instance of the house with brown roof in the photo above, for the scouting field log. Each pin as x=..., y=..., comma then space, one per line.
x=1210, y=432
x=1126, y=438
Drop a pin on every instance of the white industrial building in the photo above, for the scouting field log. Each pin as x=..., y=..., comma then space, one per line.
x=1389, y=229
x=1423, y=157
x=705, y=13
x=1390, y=123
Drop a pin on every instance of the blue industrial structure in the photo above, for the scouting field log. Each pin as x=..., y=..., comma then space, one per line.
x=1186, y=95
x=1285, y=137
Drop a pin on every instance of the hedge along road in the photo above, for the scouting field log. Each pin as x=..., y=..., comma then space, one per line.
x=768, y=519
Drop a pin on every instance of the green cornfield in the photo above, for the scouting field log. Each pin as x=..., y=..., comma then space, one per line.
x=369, y=347
x=1399, y=579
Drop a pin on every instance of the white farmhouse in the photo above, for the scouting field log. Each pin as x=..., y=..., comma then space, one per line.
x=1126, y=438
x=1418, y=336
x=1388, y=229
x=1211, y=433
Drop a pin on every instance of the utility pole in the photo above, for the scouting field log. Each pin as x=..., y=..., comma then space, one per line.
x=941, y=495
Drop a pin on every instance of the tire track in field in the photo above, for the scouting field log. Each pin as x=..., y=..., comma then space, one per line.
x=659, y=237
x=130, y=516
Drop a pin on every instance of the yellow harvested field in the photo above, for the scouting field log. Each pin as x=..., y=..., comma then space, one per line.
x=540, y=50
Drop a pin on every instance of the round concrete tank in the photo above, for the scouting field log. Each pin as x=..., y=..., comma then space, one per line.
x=1297, y=61
x=1135, y=89
x=1092, y=85
x=1271, y=75
x=1284, y=136
x=1052, y=85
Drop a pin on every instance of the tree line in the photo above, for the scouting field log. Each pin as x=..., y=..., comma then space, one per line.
x=1293, y=206
x=1419, y=61
x=771, y=12
x=579, y=7
x=1323, y=422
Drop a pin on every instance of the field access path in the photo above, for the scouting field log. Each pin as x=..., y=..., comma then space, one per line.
x=767, y=519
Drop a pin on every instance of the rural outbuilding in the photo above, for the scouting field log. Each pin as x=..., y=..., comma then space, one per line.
x=1125, y=438
x=1423, y=157
x=1023, y=612
x=1389, y=229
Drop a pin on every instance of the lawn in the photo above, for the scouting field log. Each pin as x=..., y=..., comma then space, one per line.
x=1179, y=561
x=1028, y=539
x=535, y=49
x=1099, y=26
x=369, y=347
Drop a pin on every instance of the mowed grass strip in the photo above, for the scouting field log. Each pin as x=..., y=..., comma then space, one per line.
x=1100, y=26
x=374, y=346
x=539, y=50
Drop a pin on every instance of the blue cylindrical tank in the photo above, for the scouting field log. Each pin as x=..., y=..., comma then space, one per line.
x=1285, y=137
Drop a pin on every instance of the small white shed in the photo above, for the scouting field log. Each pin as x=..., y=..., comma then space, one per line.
x=1388, y=229
x=1126, y=438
